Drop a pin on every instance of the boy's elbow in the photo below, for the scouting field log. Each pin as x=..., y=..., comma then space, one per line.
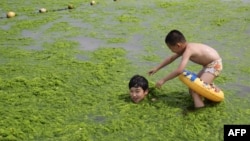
x=179, y=71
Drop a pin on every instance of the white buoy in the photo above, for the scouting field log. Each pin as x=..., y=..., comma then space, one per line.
x=70, y=6
x=43, y=10
x=11, y=14
x=92, y=2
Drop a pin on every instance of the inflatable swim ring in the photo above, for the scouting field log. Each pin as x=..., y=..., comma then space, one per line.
x=202, y=88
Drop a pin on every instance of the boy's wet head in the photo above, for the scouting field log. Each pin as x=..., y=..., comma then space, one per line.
x=138, y=88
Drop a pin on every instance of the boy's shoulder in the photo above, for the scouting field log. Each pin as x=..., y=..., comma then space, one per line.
x=192, y=44
x=195, y=44
x=194, y=47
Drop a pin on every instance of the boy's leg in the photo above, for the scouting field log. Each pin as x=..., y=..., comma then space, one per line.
x=198, y=100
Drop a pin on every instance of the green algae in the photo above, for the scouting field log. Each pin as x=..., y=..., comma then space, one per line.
x=128, y=18
x=116, y=40
x=51, y=94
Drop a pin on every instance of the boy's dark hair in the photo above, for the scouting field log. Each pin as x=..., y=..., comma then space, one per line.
x=138, y=81
x=174, y=37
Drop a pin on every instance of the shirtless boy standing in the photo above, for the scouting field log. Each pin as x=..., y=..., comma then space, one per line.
x=200, y=54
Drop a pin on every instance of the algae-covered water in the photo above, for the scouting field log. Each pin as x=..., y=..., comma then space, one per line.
x=64, y=73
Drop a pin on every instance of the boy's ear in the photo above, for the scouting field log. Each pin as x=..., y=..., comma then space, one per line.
x=179, y=44
x=146, y=91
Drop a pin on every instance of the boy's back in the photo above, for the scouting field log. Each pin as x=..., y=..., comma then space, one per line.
x=201, y=53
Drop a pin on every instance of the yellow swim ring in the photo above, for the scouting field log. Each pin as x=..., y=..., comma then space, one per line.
x=200, y=87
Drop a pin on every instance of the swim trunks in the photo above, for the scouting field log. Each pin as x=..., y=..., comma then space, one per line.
x=214, y=67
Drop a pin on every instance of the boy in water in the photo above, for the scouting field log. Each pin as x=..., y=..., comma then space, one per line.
x=138, y=88
x=200, y=54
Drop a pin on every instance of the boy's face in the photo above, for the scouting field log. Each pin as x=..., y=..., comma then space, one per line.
x=137, y=94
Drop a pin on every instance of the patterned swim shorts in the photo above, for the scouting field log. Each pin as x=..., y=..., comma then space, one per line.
x=214, y=67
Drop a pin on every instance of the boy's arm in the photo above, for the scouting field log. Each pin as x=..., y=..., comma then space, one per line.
x=176, y=72
x=165, y=62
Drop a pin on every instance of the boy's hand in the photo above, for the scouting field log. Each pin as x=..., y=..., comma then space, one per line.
x=159, y=84
x=153, y=71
